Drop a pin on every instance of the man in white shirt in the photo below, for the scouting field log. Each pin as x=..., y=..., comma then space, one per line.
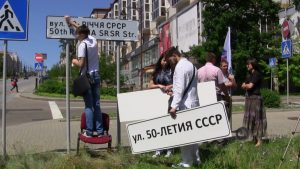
x=88, y=61
x=184, y=97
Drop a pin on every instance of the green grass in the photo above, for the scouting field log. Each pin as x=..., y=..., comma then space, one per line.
x=235, y=155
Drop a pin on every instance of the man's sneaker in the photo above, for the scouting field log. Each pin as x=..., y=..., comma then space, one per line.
x=100, y=135
x=85, y=134
x=157, y=153
x=181, y=165
x=169, y=153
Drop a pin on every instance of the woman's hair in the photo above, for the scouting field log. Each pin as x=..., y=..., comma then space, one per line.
x=254, y=63
x=158, y=67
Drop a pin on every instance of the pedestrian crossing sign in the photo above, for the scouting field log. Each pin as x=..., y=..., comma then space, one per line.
x=38, y=66
x=286, y=48
x=13, y=19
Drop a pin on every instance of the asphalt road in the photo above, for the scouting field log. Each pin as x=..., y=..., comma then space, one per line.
x=21, y=110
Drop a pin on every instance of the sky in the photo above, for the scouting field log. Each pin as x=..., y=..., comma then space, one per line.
x=37, y=41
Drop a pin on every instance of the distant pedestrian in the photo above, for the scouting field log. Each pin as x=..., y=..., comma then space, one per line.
x=14, y=84
x=88, y=61
x=185, y=96
x=255, y=119
x=162, y=78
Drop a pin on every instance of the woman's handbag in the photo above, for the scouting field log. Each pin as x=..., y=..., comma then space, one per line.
x=82, y=83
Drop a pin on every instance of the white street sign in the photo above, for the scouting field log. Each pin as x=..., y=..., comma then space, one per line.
x=147, y=104
x=190, y=126
x=102, y=29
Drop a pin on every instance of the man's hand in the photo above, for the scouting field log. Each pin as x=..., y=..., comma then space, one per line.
x=68, y=19
x=173, y=113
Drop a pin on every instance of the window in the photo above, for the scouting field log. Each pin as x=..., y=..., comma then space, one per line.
x=147, y=8
x=163, y=3
x=124, y=4
x=147, y=16
x=134, y=5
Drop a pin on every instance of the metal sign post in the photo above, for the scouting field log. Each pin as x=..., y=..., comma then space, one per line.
x=13, y=27
x=118, y=91
x=4, y=101
x=68, y=98
x=287, y=81
x=286, y=50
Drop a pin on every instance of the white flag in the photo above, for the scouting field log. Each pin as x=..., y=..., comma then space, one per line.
x=226, y=53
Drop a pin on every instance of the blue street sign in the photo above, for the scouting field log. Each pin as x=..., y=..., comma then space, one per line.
x=286, y=48
x=14, y=19
x=38, y=66
x=272, y=62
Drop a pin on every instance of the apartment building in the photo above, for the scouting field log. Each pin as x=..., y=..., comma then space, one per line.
x=159, y=29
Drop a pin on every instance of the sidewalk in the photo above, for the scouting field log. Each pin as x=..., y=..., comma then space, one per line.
x=51, y=135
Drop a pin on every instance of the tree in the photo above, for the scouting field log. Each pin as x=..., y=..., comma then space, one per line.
x=247, y=39
x=107, y=70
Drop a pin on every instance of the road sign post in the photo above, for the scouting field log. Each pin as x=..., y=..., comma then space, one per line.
x=13, y=26
x=14, y=23
x=286, y=50
x=272, y=64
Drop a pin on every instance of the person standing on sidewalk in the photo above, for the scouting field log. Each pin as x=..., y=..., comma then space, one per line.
x=255, y=119
x=185, y=96
x=87, y=53
x=210, y=72
x=230, y=83
x=162, y=78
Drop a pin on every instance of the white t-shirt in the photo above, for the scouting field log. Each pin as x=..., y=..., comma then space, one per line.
x=93, y=57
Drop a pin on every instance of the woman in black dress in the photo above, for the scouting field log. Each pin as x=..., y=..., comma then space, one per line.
x=255, y=119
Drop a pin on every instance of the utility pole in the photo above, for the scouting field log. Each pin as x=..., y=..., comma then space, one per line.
x=142, y=42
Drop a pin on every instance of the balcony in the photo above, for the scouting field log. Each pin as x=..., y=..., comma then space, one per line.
x=179, y=4
x=159, y=15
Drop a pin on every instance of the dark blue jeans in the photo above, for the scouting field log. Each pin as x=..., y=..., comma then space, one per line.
x=92, y=107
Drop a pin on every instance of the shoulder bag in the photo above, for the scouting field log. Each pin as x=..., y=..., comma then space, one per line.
x=82, y=83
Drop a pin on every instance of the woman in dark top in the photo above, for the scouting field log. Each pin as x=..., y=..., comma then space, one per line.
x=162, y=78
x=255, y=116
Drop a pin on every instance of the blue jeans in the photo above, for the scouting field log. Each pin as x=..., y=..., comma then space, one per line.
x=92, y=107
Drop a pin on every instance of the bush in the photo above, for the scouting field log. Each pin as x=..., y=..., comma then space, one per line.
x=52, y=86
x=111, y=91
x=271, y=98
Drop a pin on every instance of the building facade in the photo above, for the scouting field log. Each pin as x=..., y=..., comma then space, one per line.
x=159, y=29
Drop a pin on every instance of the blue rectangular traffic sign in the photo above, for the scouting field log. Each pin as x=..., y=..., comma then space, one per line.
x=14, y=19
x=286, y=48
x=38, y=66
x=272, y=62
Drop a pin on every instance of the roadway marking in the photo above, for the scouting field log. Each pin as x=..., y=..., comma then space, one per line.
x=56, y=114
x=102, y=107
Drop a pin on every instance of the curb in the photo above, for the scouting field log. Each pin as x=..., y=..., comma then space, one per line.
x=35, y=97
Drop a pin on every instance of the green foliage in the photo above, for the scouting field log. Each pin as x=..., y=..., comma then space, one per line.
x=271, y=98
x=235, y=155
x=52, y=86
x=294, y=69
x=246, y=39
x=111, y=91
x=107, y=69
